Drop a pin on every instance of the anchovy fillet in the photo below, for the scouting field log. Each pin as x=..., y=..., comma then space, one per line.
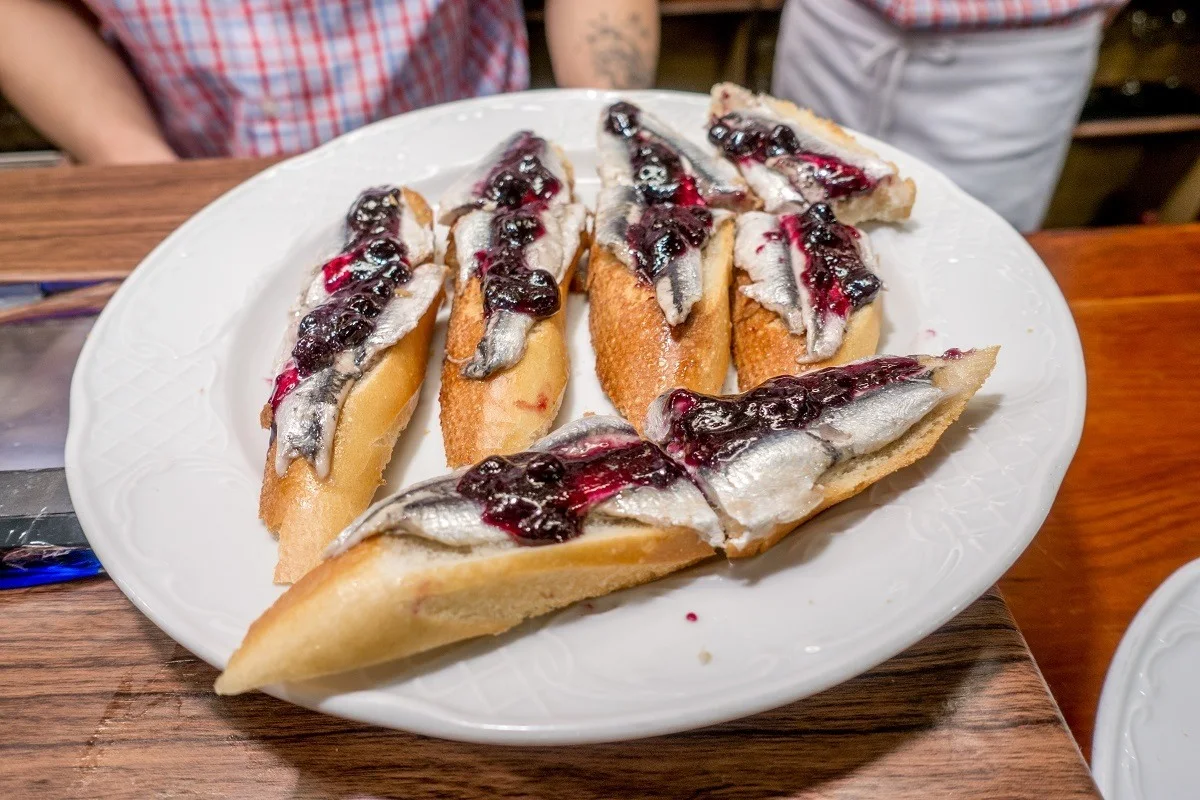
x=506, y=332
x=775, y=480
x=776, y=268
x=463, y=194
x=681, y=285
x=434, y=509
x=717, y=180
x=617, y=207
x=785, y=182
x=761, y=250
x=772, y=481
x=307, y=416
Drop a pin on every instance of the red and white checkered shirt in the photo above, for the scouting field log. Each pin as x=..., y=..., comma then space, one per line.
x=267, y=77
x=959, y=14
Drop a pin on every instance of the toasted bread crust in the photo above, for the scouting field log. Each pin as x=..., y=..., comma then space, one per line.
x=963, y=377
x=763, y=347
x=890, y=201
x=395, y=596
x=305, y=512
x=510, y=410
x=638, y=354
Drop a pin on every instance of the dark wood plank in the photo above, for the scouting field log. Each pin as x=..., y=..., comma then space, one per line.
x=96, y=702
x=93, y=223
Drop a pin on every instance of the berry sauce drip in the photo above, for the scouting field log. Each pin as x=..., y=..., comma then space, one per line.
x=705, y=430
x=361, y=281
x=508, y=283
x=741, y=138
x=520, y=178
x=665, y=232
x=658, y=170
x=835, y=273
x=542, y=498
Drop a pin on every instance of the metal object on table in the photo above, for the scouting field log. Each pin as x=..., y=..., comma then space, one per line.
x=40, y=538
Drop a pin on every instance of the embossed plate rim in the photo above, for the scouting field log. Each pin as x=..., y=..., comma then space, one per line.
x=382, y=705
x=1117, y=763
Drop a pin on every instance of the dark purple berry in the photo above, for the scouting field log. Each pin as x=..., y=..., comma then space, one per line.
x=366, y=304
x=312, y=354
x=352, y=330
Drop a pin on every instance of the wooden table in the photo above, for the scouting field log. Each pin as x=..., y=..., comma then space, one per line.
x=95, y=701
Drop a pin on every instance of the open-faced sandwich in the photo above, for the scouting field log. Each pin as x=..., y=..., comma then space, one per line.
x=792, y=158
x=806, y=295
x=661, y=258
x=515, y=237
x=348, y=375
x=594, y=508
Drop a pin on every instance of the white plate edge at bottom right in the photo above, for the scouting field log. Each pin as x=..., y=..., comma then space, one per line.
x=1144, y=734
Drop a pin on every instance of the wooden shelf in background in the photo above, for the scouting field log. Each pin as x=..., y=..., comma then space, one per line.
x=1138, y=126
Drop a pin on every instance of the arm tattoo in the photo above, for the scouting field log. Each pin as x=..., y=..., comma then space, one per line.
x=619, y=52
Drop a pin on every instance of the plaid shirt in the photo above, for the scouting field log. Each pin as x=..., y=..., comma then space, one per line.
x=266, y=77
x=958, y=14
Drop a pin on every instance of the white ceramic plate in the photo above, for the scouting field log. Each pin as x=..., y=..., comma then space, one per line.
x=165, y=457
x=1147, y=739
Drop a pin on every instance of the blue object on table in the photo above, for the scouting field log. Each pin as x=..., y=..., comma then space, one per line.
x=40, y=538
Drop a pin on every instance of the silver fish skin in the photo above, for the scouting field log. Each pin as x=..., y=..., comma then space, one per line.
x=681, y=285
x=775, y=189
x=504, y=337
x=763, y=253
x=717, y=180
x=472, y=234
x=582, y=436
x=680, y=505
x=431, y=509
x=434, y=509
x=306, y=418
x=463, y=195
x=617, y=207
x=777, y=478
x=501, y=346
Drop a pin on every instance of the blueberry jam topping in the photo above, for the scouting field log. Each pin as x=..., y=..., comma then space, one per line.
x=361, y=281
x=508, y=282
x=519, y=177
x=658, y=171
x=742, y=138
x=376, y=212
x=705, y=430
x=664, y=233
x=541, y=498
x=835, y=273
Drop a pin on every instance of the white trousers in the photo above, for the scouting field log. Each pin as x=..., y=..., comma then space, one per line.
x=992, y=109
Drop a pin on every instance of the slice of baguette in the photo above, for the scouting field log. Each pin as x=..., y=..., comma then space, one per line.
x=638, y=354
x=763, y=347
x=509, y=410
x=890, y=201
x=394, y=596
x=962, y=377
x=306, y=512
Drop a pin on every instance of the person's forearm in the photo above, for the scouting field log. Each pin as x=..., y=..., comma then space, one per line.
x=72, y=87
x=607, y=45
